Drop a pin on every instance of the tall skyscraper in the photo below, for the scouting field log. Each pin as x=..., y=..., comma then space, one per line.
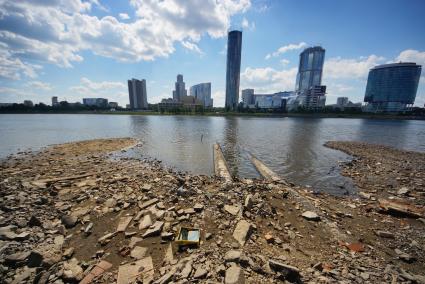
x=234, y=49
x=392, y=87
x=137, y=94
x=202, y=92
x=310, y=69
x=180, y=90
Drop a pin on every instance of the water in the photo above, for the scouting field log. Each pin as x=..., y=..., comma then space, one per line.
x=293, y=147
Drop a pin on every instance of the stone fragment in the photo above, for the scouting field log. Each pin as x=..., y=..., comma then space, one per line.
x=146, y=222
x=231, y=209
x=403, y=191
x=130, y=272
x=28, y=258
x=187, y=269
x=68, y=253
x=106, y=238
x=96, y=271
x=365, y=195
x=248, y=202
x=169, y=255
x=242, y=231
x=200, y=272
x=148, y=203
x=385, y=234
x=154, y=230
x=123, y=223
x=232, y=256
x=198, y=207
x=311, y=216
x=139, y=252
x=110, y=202
x=284, y=269
x=234, y=275
x=34, y=221
x=69, y=221
x=72, y=271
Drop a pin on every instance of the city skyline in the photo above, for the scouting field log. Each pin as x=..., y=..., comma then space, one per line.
x=39, y=59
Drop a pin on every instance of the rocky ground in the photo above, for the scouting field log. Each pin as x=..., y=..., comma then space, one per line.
x=77, y=212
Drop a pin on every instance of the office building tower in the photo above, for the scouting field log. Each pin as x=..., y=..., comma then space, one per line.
x=233, y=68
x=310, y=69
x=342, y=101
x=137, y=94
x=392, y=87
x=55, y=101
x=202, y=92
x=248, y=97
x=97, y=102
x=180, y=89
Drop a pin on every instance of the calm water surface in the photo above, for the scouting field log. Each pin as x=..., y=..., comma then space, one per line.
x=293, y=147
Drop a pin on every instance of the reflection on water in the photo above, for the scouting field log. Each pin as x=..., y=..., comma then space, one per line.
x=293, y=147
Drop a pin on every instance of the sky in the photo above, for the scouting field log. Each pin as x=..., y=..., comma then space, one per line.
x=89, y=48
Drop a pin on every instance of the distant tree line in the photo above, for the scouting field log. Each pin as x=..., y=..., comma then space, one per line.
x=43, y=108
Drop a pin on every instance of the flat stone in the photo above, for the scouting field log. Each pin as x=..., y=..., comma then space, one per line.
x=186, y=270
x=385, y=234
x=148, y=203
x=154, y=230
x=200, y=273
x=232, y=256
x=169, y=255
x=231, y=209
x=110, y=202
x=311, y=216
x=283, y=268
x=34, y=221
x=96, y=271
x=146, y=222
x=146, y=187
x=72, y=271
x=139, y=252
x=123, y=223
x=198, y=207
x=234, y=275
x=68, y=253
x=242, y=231
x=130, y=272
x=106, y=238
x=403, y=191
x=248, y=202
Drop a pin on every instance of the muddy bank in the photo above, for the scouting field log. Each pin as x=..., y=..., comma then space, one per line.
x=70, y=211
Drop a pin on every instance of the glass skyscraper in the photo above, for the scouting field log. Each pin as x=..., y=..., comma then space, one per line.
x=234, y=49
x=137, y=94
x=202, y=92
x=310, y=69
x=392, y=87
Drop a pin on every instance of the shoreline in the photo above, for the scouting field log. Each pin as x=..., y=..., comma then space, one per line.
x=69, y=207
x=271, y=115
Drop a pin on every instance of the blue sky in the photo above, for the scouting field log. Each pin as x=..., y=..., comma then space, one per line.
x=75, y=49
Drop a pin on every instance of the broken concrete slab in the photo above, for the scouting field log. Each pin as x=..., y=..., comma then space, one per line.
x=232, y=209
x=123, y=223
x=96, y=271
x=241, y=232
x=284, y=269
x=146, y=222
x=154, y=230
x=139, y=252
x=234, y=275
x=129, y=273
x=148, y=203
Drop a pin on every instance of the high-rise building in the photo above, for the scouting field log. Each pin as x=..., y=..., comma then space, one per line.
x=202, y=92
x=310, y=68
x=392, y=87
x=314, y=98
x=55, y=101
x=234, y=49
x=342, y=101
x=248, y=97
x=137, y=94
x=180, y=90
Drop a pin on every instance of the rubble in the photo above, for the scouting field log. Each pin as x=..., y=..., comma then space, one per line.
x=75, y=212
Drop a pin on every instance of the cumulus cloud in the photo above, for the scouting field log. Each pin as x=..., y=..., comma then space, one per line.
x=124, y=16
x=191, y=46
x=411, y=55
x=247, y=25
x=57, y=31
x=343, y=68
x=88, y=87
x=40, y=85
x=268, y=79
x=286, y=48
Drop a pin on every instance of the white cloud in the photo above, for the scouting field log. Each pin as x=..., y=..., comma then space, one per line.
x=219, y=98
x=191, y=46
x=247, y=25
x=286, y=48
x=13, y=68
x=57, y=31
x=124, y=16
x=342, y=68
x=268, y=80
x=88, y=87
x=40, y=85
x=284, y=61
x=411, y=55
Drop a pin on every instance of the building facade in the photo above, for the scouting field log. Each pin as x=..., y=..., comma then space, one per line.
x=202, y=92
x=137, y=94
x=310, y=69
x=272, y=101
x=392, y=87
x=180, y=89
x=233, y=68
x=248, y=97
x=55, y=101
x=97, y=102
x=342, y=101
